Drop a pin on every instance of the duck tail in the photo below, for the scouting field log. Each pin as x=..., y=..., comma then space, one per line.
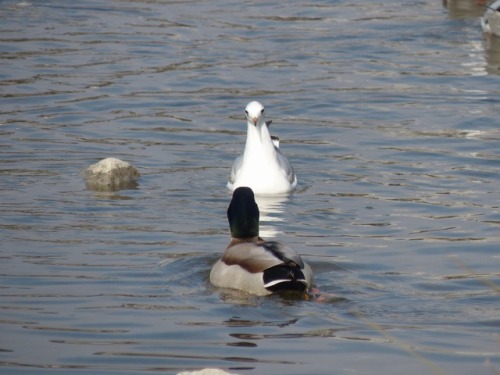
x=285, y=277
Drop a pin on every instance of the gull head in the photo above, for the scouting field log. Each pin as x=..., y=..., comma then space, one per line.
x=254, y=113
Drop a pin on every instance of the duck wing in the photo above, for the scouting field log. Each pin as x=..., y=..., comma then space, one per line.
x=284, y=253
x=252, y=257
x=291, y=274
x=258, y=257
x=265, y=267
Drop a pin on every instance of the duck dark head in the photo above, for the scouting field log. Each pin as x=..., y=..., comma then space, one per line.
x=243, y=214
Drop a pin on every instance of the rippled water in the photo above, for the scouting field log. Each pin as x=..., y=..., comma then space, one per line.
x=389, y=112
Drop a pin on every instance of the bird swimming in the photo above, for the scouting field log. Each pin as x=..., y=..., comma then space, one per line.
x=262, y=166
x=490, y=22
x=252, y=264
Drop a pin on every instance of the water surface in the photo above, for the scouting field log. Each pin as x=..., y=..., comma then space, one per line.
x=389, y=114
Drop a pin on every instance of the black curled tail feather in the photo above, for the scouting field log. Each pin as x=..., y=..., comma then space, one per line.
x=285, y=277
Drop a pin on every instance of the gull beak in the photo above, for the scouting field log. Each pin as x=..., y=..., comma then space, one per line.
x=255, y=120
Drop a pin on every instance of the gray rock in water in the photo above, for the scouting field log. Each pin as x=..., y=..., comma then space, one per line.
x=111, y=174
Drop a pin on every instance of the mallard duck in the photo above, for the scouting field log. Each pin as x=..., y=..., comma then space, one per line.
x=490, y=22
x=252, y=264
x=262, y=166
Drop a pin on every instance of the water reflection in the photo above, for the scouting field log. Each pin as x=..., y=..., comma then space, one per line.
x=484, y=51
x=465, y=8
x=475, y=64
x=238, y=322
x=271, y=211
x=492, y=54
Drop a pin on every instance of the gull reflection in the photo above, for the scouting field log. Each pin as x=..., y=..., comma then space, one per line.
x=271, y=209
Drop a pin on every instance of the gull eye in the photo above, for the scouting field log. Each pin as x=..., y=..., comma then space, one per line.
x=262, y=112
x=246, y=112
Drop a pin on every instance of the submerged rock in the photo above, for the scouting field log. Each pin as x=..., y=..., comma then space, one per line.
x=111, y=174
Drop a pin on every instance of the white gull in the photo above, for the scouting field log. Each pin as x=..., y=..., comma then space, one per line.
x=262, y=167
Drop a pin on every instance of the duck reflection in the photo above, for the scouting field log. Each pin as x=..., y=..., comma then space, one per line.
x=492, y=54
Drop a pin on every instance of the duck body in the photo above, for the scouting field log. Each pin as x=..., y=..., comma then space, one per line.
x=261, y=268
x=252, y=264
x=490, y=22
x=262, y=166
